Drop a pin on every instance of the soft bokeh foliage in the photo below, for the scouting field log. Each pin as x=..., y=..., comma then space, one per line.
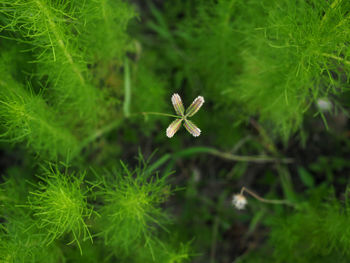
x=86, y=84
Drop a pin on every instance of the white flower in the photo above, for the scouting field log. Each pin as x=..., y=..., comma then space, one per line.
x=324, y=105
x=183, y=115
x=239, y=201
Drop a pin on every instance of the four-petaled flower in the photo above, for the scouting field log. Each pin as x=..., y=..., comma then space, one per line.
x=180, y=111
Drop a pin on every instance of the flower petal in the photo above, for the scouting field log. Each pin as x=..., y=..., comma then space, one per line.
x=173, y=128
x=177, y=103
x=195, y=106
x=192, y=128
x=239, y=201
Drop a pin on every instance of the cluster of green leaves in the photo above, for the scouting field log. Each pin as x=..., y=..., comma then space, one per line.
x=121, y=210
x=60, y=205
x=131, y=207
x=26, y=116
x=130, y=215
x=21, y=240
x=66, y=80
x=55, y=92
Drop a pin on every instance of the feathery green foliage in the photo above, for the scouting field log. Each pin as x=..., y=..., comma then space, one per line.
x=104, y=35
x=20, y=239
x=60, y=205
x=164, y=252
x=26, y=117
x=44, y=25
x=271, y=58
x=20, y=244
x=317, y=232
x=293, y=57
x=72, y=48
x=131, y=211
x=78, y=77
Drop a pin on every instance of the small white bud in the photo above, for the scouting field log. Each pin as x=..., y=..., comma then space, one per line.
x=239, y=201
x=324, y=105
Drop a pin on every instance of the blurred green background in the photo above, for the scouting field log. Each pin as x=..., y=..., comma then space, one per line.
x=88, y=173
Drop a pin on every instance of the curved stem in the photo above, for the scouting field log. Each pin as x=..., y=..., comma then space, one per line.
x=277, y=202
x=191, y=151
x=256, y=159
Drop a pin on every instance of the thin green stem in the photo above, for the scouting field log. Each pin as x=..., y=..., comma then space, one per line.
x=161, y=114
x=127, y=89
x=336, y=58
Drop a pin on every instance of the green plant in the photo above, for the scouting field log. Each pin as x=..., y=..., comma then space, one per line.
x=60, y=205
x=316, y=232
x=131, y=212
x=79, y=81
x=69, y=59
x=268, y=58
x=26, y=117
